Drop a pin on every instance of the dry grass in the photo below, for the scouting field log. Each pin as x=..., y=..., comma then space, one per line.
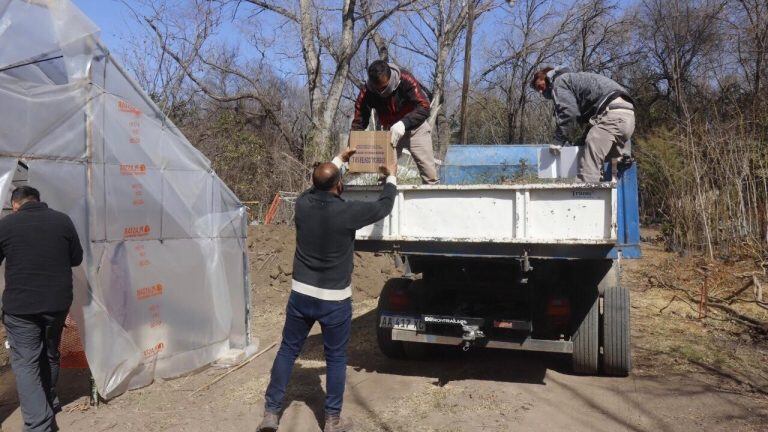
x=670, y=335
x=706, y=183
x=250, y=391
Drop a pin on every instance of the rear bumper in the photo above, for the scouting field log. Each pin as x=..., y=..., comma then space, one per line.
x=500, y=250
x=526, y=344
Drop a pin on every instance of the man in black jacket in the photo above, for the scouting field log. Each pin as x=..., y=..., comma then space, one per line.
x=321, y=290
x=40, y=246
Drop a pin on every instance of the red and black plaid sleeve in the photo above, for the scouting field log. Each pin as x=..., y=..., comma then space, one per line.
x=418, y=98
x=362, y=111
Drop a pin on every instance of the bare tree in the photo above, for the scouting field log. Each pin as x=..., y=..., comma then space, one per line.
x=681, y=34
x=329, y=37
x=431, y=33
x=382, y=45
x=158, y=75
x=340, y=41
x=538, y=34
x=185, y=38
x=749, y=18
x=602, y=40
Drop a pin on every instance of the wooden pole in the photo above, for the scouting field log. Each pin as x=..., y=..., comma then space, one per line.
x=467, y=64
x=238, y=367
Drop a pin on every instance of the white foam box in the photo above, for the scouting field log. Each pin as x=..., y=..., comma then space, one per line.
x=559, y=166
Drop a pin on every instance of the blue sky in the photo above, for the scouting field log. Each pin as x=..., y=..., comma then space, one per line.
x=112, y=17
x=117, y=24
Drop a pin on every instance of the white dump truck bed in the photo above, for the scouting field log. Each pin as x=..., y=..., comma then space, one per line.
x=549, y=213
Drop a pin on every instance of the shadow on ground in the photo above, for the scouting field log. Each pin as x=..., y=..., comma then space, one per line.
x=444, y=365
x=73, y=384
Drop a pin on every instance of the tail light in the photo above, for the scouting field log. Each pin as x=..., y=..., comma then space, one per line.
x=558, y=311
x=399, y=300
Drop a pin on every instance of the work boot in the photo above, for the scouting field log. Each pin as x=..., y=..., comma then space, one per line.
x=269, y=422
x=334, y=423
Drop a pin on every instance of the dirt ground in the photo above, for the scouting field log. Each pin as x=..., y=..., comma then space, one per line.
x=689, y=374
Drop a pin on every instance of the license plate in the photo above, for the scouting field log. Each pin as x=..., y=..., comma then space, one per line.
x=401, y=323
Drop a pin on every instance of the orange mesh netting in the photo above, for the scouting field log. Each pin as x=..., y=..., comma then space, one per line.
x=71, y=347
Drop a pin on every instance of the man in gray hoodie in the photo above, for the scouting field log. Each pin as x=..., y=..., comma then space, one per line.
x=402, y=106
x=590, y=102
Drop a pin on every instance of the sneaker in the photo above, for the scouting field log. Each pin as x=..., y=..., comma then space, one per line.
x=269, y=422
x=334, y=423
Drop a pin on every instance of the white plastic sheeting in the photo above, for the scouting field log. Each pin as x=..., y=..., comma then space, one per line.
x=163, y=289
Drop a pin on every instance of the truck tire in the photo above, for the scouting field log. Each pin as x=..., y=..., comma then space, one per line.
x=617, y=359
x=586, y=346
x=388, y=347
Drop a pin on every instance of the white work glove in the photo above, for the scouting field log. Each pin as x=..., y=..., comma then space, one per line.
x=554, y=149
x=398, y=130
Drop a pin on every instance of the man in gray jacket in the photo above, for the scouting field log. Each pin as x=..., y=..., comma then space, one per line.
x=585, y=100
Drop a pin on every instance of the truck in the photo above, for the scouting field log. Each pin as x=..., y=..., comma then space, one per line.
x=496, y=259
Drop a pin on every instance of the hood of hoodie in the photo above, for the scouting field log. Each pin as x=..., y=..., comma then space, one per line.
x=551, y=75
x=554, y=73
x=394, y=81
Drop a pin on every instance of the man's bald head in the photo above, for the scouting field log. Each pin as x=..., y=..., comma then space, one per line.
x=325, y=176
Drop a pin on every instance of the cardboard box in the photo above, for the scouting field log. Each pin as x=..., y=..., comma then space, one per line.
x=373, y=150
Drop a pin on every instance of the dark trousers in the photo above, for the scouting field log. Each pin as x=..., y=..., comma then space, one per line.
x=34, y=341
x=335, y=318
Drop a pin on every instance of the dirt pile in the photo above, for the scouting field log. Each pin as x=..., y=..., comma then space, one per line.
x=271, y=248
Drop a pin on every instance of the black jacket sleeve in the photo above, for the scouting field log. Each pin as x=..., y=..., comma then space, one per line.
x=362, y=112
x=415, y=95
x=2, y=236
x=362, y=214
x=75, y=249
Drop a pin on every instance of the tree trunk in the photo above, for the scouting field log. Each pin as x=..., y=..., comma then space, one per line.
x=438, y=96
x=467, y=68
x=512, y=113
x=324, y=108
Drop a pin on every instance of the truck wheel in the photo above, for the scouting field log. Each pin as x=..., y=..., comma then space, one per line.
x=585, y=339
x=617, y=359
x=388, y=347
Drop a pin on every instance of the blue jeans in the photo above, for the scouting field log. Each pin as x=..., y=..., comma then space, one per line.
x=335, y=318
